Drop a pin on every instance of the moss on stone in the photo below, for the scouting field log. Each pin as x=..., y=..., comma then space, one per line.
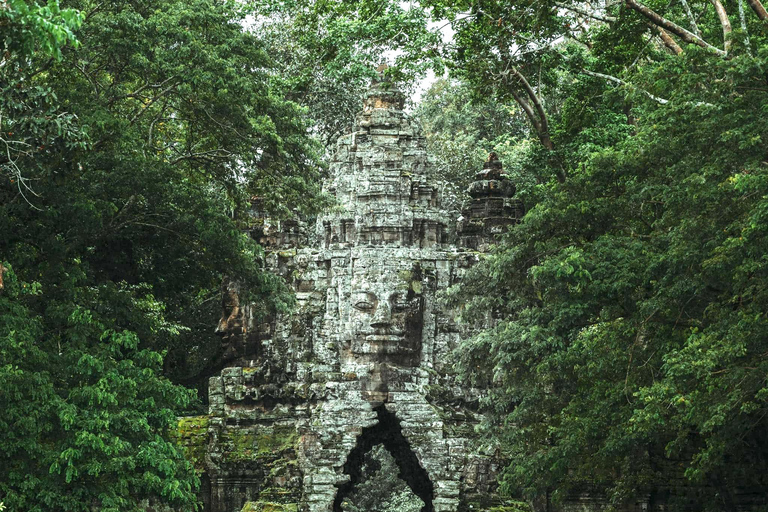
x=276, y=495
x=242, y=444
x=268, y=506
x=191, y=435
x=265, y=442
x=280, y=439
x=190, y=425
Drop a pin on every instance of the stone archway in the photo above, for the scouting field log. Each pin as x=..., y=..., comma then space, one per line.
x=387, y=432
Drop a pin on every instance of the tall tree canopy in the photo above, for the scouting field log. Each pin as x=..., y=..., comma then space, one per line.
x=128, y=160
x=328, y=52
x=630, y=344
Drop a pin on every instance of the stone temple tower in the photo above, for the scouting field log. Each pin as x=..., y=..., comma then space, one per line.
x=363, y=359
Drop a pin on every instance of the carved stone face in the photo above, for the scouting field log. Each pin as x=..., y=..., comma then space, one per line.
x=386, y=321
x=230, y=328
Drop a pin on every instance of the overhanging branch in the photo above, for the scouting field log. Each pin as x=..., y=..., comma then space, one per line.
x=759, y=9
x=685, y=35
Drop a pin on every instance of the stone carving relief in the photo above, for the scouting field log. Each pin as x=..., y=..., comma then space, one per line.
x=386, y=317
x=363, y=358
x=231, y=328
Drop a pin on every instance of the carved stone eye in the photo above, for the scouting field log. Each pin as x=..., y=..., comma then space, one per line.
x=400, y=303
x=363, y=305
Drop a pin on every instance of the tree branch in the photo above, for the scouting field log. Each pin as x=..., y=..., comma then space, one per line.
x=685, y=35
x=152, y=101
x=725, y=23
x=743, y=21
x=619, y=81
x=657, y=99
x=539, y=121
x=668, y=40
x=203, y=155
x=527, y=109
x=691, y=17
x=542, y=134
x=543, y=124
x=147, y=85
x=156, y=226
x=759, y=9
x=594, y=16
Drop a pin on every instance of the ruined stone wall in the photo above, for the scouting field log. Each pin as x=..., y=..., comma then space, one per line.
x=363, y=360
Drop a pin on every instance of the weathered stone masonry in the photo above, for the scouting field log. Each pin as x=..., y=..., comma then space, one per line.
x=363, y=359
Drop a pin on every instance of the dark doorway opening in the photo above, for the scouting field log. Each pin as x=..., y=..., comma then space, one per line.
x=386, y=432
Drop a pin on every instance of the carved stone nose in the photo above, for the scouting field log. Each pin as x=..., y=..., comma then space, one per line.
x=383, y=316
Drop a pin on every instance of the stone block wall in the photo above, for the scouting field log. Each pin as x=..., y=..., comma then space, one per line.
x=364, y=358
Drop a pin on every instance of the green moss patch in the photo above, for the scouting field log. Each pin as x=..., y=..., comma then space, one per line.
x=268, y=506
x=191, y=435
x=261, y=443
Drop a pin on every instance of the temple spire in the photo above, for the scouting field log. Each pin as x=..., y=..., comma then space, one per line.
x=383, y=93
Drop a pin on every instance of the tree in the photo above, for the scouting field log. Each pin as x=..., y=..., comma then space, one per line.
x=630, y=345
x=140, y=149
x=328, y=53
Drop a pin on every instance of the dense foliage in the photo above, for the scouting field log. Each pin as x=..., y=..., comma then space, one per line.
x=629, y=351
x=629, y=342
x=128, y=160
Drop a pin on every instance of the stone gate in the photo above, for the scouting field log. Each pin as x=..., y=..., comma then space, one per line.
x=363, y=359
